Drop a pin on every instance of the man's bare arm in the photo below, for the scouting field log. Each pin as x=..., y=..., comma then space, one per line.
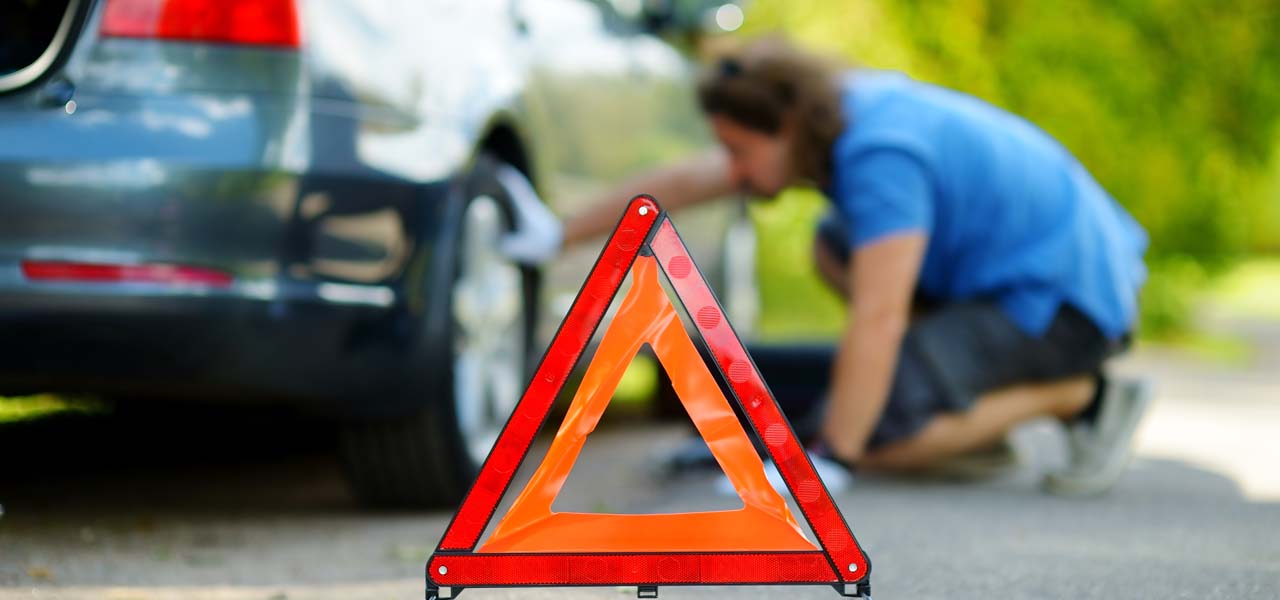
x=690, y=181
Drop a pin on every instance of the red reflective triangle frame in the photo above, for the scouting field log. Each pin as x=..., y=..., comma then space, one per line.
x=840, y=561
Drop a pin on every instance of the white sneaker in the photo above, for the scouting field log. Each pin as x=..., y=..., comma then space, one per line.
x=833, y=475
x=1101, y=450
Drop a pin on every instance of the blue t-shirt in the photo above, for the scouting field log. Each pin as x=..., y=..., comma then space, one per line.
x=1010, y=215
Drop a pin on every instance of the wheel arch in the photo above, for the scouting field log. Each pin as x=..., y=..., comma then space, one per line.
x=503, y=141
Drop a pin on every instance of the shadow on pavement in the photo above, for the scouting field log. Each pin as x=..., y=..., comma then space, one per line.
x=186, y=457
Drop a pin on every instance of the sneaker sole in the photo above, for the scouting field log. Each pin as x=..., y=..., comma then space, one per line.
x=1101, y=481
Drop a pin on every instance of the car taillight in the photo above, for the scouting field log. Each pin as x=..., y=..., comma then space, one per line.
x=251, y=22
x=76, y=272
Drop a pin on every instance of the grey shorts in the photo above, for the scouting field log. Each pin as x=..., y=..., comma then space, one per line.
x=954, y=353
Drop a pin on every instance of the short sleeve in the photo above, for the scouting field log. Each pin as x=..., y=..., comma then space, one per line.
x=882, y=192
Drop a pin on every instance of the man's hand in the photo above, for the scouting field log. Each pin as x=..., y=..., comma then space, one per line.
x=538, y=235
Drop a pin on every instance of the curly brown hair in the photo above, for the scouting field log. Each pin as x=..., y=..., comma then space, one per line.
x=769, y=82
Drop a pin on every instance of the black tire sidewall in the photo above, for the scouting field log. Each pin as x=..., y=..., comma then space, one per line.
x=421, y=459
x=480, y=181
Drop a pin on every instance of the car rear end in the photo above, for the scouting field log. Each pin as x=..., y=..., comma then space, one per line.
x=154, y=155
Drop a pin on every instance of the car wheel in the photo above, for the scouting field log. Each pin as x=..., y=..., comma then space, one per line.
x=478, y=367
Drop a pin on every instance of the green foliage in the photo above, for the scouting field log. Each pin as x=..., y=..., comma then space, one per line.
x=28, y=408
x=1173, y=106
x=1170, y=293
x=1249, y=290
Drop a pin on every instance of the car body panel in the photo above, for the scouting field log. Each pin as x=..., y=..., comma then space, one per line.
x=319, y=179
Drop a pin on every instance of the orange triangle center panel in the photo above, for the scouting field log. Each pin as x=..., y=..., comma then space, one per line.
x=646, y=315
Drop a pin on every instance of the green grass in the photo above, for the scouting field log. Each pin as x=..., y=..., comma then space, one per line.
x=1250, y=290
x=1209, y=347
x=28, y=408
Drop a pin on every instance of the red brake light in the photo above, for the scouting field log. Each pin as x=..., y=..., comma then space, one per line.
x=108, y=273
x=250, y=22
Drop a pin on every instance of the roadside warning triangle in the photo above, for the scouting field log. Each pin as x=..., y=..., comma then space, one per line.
x=764, y=522
x=760, y=543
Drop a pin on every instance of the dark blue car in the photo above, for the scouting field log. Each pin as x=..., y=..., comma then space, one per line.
x=299, y=201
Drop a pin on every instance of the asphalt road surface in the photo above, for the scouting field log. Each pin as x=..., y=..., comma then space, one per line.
x=148, y=508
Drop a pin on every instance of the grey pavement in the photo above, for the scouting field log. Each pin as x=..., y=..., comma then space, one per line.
x=1197, y=516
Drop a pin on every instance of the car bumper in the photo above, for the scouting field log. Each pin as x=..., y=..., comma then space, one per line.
x=318, y=247
x=327, y=346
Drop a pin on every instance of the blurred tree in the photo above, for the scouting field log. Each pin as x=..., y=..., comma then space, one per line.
x=1174, y=106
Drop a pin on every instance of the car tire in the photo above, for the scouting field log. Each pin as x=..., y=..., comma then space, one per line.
x=473, y=367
